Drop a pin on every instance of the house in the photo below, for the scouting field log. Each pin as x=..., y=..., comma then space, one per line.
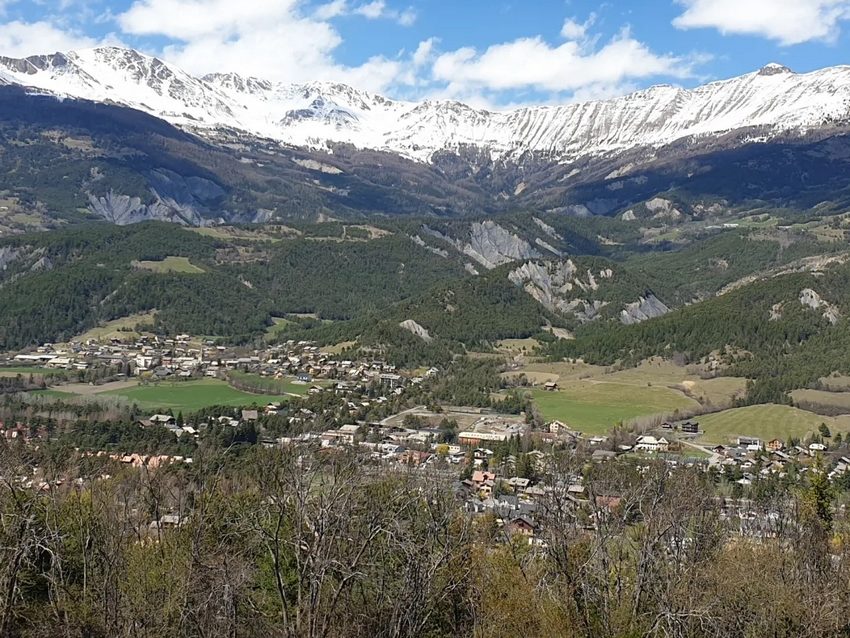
x=557, y=426
x=776, y=445
x=745, y=441
x=649, y=443
x=475, y=438
x=391, y=381
x=164, y=420
x=413, y=457
x=480, y=477
x=346, y=435
x=550, y=386
x=691, y=427
x=519, y=483
x=250, y=415
x=817, y=447
x=168, y=521
x=521, y=526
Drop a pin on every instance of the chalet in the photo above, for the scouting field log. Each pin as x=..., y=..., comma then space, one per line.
x=691, y=427
x=521, y=526
x=649, y=443
x=557, y=426
x=776, y=445
x=550, y=386
x=164, y=420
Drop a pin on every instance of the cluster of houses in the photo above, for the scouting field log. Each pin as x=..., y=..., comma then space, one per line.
x=753, y=456
x=182, y=357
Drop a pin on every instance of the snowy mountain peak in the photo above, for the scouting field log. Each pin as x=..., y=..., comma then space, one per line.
x=774, y=69
x=775, y=100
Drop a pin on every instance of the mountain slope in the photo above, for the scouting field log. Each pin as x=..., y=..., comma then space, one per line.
x=769, y=102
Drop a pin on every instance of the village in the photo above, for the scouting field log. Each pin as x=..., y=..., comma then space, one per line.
x=500, y=465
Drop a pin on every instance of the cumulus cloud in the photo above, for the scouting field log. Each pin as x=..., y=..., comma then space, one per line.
x=297, y=41
x=534, y=64
x=786, y=21
x=575, y=30
x=17, y=39
x=424, y=52
x=268, y=38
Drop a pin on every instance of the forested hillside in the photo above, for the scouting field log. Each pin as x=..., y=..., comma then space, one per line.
x=773, y=292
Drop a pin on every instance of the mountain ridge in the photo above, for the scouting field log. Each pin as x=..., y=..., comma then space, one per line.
x=774, y=100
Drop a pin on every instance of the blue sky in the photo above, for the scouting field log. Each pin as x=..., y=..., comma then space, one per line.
x=493, y=53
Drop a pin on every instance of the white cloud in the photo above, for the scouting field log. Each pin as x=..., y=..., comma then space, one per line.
x=424, y=52
x=406, y=18
x=374, y=10
x=332, y=9
x=20, y=39
x=575, y=30
x=532, y=63
x=267, y=38
x=786, y=21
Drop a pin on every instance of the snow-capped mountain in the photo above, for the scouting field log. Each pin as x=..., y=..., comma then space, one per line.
x=774, y=99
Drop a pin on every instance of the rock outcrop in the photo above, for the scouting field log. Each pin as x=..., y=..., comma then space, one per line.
x=648, y=307
x=491, y=245
x=813, y=300
x=563, y=287
x=417, y=330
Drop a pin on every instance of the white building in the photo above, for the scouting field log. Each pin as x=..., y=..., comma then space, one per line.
x=651, y=444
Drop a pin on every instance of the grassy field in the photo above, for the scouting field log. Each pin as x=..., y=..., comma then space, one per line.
x=657, y=372
x=594, y=408
x=837, y=400
x=279, y=324
x=119, y=328
x=189, y=396
x=278, y=386
x=517, y=346
x=13, y=371
x=169, y=264
x=765, y=422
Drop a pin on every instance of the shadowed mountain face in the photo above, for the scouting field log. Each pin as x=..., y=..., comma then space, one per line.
x=74, y=159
